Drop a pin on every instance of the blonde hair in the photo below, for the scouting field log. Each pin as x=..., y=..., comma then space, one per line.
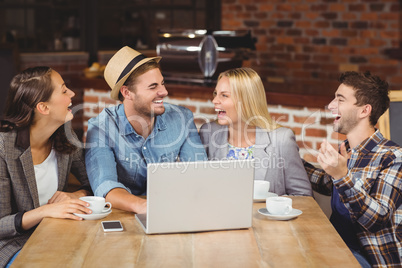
x=249, y=96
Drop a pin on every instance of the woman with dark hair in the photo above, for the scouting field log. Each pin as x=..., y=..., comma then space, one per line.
x=36, y=157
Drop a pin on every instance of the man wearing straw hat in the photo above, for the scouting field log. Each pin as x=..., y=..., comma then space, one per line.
x=122, y=139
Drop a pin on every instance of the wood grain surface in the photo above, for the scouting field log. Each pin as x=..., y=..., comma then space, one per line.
x=306, y=241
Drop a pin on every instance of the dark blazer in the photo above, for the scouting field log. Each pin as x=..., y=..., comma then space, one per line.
x=276, y=155
x=18, y=192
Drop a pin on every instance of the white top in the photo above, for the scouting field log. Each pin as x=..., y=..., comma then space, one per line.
x=46, y=178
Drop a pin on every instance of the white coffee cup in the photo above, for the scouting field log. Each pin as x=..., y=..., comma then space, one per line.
x=97, y=204
x=279, y=205
x=261, y=189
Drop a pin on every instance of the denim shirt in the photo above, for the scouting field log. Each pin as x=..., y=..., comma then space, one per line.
x=117, y=157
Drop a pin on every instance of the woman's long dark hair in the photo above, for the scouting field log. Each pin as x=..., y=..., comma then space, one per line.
x=27, y=89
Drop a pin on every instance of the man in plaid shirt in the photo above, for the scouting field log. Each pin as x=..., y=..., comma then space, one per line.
x=365, y=176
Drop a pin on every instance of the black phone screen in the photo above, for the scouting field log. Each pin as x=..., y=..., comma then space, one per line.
x=112, y=225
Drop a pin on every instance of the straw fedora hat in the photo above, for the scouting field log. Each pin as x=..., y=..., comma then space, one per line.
x=121, y=65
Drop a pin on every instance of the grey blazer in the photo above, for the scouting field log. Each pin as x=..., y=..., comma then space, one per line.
x=276, y=155
x=18, y=192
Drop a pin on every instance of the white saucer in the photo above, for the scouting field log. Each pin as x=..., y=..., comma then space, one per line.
x=293, y=214
x=93, y=216
x=263, y=199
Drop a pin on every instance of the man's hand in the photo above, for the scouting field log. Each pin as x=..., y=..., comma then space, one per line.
x=141, y=206
x=331, y=161
x=124, y=200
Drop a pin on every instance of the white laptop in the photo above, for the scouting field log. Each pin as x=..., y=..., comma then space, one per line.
x=198, y=196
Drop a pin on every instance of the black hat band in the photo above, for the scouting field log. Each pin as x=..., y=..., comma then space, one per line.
x=130, y=66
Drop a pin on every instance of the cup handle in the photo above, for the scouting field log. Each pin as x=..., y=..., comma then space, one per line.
x=107, y=209
x=288, y=209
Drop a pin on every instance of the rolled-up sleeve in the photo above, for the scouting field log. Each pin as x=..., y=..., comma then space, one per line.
x=100, y=160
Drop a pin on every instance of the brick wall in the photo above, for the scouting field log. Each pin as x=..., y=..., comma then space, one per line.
x=65, y=63
x=304, y=44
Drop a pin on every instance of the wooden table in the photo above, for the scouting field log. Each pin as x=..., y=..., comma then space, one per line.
x=307, y=241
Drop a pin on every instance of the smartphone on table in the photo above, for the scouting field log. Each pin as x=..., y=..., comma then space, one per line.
x=112, y=226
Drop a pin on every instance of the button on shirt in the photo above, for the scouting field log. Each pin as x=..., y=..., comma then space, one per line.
x=371, y=193
x=117, y=157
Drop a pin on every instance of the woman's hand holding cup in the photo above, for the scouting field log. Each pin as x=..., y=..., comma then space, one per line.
x=97, y=204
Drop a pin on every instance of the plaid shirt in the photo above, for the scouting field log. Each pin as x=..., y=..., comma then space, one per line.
x=372, y=192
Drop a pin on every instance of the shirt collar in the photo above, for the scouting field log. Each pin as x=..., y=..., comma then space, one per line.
x=160, y=122
x=368, y=144
x=128, y=129
x=23, y=138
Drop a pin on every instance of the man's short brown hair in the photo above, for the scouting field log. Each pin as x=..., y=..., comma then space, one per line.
x=369, y=89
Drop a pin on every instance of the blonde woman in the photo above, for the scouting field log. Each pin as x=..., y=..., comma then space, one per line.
x=245, y=130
